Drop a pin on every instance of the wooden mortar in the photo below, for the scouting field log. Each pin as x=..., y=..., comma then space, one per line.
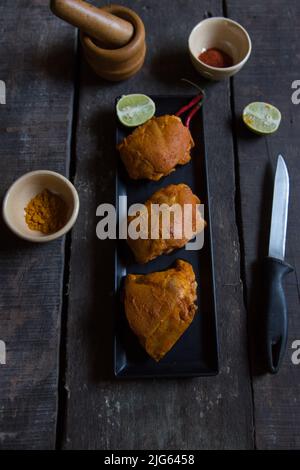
x=112, y=37
x=122, y=63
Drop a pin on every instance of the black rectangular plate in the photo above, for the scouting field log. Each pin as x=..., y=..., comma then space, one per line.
x=196, y=352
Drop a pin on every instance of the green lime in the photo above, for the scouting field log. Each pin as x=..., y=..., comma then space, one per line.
x=262, y=118
x=134, y=110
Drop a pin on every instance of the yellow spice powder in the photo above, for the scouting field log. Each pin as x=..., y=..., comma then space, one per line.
x=46, y=212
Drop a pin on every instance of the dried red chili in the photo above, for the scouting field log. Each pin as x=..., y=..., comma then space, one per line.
x=216, y=58
x=193, y=107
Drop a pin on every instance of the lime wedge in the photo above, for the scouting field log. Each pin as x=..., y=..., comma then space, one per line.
x=262, y=118
x=134, y=110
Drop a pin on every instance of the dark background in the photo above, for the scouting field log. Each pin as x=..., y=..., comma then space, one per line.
x=56, y=300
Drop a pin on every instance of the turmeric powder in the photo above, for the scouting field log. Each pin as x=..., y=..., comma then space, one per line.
x=46, y=212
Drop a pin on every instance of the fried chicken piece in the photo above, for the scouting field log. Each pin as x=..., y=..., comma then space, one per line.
x=145, y=249
x=160, y=306
x=155, y=148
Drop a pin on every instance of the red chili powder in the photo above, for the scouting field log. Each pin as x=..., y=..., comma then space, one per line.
x=216, y=58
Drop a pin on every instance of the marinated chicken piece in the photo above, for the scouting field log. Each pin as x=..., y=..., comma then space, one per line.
x=155, y=148
x=147, y=247
x=160, y=306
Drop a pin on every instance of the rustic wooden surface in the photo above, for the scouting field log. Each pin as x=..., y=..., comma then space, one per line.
x=187, y=414
x=37, y=67
x=276, y=398
x=60, y=117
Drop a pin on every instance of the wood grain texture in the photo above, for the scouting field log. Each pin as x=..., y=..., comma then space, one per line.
x=103, y=413
x=36, y=65
x=274, y=27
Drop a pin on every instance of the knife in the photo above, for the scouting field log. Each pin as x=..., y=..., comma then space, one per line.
x=274, y=271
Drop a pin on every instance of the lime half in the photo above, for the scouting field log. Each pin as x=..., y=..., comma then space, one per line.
x=262, y=118
x=134, y=110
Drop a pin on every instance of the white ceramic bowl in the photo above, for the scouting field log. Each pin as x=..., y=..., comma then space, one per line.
x=27, y=187
x=224, y=34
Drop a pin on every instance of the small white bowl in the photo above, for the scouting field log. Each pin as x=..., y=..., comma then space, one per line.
x=27, y=187
x=224, y=34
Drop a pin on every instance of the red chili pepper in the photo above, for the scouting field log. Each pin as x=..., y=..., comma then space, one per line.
x=192, y=114
x=189, y=105
x=195, y=104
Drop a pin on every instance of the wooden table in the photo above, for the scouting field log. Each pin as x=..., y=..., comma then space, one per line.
x=56, y=299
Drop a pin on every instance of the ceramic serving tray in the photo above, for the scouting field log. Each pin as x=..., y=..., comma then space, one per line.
x=196, y=352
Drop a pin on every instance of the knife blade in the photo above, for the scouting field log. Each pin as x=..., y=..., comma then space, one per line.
x=279, y=211
x=274, y=271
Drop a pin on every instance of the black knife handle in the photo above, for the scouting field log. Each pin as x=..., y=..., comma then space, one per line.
x=275, y=309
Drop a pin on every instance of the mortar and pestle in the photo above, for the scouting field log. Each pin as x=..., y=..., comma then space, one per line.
x=112, y=37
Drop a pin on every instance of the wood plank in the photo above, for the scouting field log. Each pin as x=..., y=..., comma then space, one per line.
x=274, y=28
x=37, y=67
x=188, y=414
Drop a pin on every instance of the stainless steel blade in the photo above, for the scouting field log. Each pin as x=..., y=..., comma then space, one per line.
x=279, y=211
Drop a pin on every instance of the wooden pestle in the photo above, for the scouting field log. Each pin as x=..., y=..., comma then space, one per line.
x=108, y=29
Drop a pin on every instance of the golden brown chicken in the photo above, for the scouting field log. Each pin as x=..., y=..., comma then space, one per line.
x=160, y=306
x=155, y=148
x=147, y=248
